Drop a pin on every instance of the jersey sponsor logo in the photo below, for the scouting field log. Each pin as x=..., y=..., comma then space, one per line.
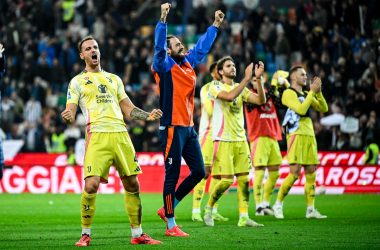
x=234, y=108
x=267, y=116
x=88, y=82
x=68, y=95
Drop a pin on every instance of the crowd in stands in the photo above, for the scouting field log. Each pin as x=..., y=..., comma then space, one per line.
x=337, y=40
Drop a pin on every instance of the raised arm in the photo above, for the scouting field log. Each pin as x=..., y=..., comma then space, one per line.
x=290, y=99
x=205, y=42
x=160, y=46
x=278, y=85
x=258, y=98
x=319, y=103
x=231, y=95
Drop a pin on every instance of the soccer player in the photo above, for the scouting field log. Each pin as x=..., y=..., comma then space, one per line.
x=2, y=73
x=104, y=103
x=207, y=146
x=300, y=137
x=231, y=150
x=174, y=72
x=264, y=132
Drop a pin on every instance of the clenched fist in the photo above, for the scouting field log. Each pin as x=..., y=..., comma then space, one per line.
x=219, y=16
x=165, y=8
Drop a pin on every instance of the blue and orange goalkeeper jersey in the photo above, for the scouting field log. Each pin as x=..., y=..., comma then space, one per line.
x=176, y=81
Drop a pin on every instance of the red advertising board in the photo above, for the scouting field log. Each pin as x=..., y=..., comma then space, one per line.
x=339, y=172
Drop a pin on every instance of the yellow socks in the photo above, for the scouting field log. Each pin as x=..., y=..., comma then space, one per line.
x=213, y=183
x=87, y=209
x=257, y=185
x=218, y=191
x=269, y=185
x=198, y=193
x=310, y=189
x=133, y=208
x=286, y=186
x=243, y=193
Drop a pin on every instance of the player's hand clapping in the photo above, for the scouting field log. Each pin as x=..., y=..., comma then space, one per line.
x=248, y=72
x=316, y=84
x=259, y=69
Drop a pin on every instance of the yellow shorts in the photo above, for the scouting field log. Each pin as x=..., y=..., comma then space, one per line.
x=207, y=148
x=231, y=158
x=106, y=149
x=265, y=151
x=302, y=149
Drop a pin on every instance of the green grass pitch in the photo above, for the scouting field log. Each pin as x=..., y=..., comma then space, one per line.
x=50, y=221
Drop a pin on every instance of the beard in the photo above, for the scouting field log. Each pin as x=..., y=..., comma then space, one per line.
x=230, y=75
x=178, y=57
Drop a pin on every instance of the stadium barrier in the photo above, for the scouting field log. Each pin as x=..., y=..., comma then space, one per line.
x=339, y=172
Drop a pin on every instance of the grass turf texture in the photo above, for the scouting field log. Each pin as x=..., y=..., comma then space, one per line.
x=52, y=222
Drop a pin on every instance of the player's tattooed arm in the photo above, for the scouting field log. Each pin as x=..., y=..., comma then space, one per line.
x=138, y=114
x=130, y=111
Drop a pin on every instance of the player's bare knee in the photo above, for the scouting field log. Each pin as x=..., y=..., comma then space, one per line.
x=131, y=183
x=208, y=172
x=91, y=188
x=295, y=170
x=91, y=184
x=310, y=169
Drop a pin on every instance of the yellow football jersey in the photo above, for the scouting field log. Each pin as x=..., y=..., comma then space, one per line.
x=228, y=117
x=205, y=129
x=311, y=100
x=98, y=96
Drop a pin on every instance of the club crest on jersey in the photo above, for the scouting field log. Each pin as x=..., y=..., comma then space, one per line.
x=102, y=88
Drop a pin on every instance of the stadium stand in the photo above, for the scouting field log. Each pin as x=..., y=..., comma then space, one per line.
x=337, y=40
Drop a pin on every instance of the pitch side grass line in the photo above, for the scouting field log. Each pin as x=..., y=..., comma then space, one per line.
x=50, y=221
